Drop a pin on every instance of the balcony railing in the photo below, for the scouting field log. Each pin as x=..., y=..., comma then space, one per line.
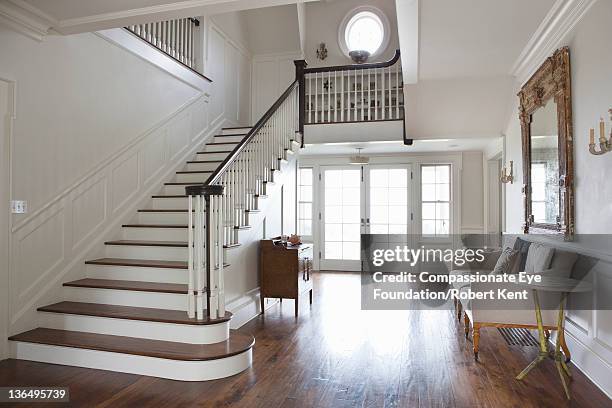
x=177, y=38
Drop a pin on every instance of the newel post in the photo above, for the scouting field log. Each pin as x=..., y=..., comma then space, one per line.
x=300, y=66
x=210, y=279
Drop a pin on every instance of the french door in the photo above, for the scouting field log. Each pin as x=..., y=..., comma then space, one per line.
x=355, y=200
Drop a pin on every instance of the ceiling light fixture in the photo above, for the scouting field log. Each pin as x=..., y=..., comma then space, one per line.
x=358, y=159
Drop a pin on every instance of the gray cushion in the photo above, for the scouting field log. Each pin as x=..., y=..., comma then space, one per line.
x=538, y=258
x=506, y=261
x=523, y=247
x=563, y=262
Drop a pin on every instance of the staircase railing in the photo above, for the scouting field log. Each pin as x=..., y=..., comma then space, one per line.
x=177, y=38
x=351, y=93
x=218, y=208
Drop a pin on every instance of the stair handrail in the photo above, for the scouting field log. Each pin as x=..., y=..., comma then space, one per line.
x=221, y=206
x=214, y=178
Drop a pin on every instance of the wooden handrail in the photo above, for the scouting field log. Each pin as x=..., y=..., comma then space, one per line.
x=216, y=176
x=352, y=67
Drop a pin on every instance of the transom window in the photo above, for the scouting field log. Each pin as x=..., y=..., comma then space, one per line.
x=364, y=28
x=435, y=199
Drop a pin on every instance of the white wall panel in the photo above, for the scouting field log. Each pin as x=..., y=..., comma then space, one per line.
x=272, y=74
x=88, y=210
x=125, y=181
x=590, y=331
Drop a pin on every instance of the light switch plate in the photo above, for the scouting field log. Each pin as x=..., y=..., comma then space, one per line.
x=19, y=207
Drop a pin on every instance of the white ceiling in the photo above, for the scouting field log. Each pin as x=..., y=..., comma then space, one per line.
x=75, y=16
x=397, y=147
x=475, y=38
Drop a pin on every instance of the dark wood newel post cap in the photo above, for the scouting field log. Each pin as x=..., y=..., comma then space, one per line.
x=205, y=190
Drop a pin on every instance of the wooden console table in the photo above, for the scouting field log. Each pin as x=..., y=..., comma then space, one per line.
x=285, y=271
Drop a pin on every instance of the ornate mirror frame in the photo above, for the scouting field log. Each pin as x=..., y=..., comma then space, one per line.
x=551, y=80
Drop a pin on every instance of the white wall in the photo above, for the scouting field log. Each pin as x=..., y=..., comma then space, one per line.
x=97, y=131
x=272, y=74
x=590, y=331
x=323, y=20
x=232, y=78
x=273, y=29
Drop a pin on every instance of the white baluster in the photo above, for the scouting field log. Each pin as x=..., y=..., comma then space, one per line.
x=190, y=266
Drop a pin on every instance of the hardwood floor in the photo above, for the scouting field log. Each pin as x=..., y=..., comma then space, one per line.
x=335, y=355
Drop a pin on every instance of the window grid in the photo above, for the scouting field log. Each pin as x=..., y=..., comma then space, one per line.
x=435, y=199
x=305, y=182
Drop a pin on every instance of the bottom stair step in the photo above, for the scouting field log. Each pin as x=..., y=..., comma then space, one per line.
x=165, y=359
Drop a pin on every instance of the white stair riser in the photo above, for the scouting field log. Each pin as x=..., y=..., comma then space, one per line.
x=235, y=137
x=165, y=218
x=182, y=333
x=155, y=234
x=128, y=363
x=192, y=177
x=147, y=252
x=172, y=301
x=202, y=166
x=213, y=156
x=175, y=189
x=173, y=203
x=237, y=130
x=220, y=147
x=133, y=273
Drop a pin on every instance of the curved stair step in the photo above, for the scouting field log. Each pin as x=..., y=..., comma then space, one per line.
x=158, y=358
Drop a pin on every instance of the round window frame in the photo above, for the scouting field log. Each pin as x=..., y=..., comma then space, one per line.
x=385, y=25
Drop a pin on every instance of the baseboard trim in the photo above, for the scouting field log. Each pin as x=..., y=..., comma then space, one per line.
x=590, y=364
x=247, y=307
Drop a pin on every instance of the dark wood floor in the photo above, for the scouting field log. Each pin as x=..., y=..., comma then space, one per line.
x=335, y=355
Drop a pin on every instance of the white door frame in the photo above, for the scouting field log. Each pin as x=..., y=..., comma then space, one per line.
x=331, y=264
x=6, y=128
x=365, y=207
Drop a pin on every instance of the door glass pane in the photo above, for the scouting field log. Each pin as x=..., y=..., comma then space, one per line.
x=342, y=207
x=388, y=201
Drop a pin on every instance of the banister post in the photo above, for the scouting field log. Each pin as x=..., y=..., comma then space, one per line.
x=300, y=66
x=210, y=241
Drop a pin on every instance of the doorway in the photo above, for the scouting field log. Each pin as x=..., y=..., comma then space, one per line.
x=6, y=109
x=494, y=223
x=355, y=200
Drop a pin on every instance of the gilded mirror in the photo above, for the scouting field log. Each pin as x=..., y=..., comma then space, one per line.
x=546, y=127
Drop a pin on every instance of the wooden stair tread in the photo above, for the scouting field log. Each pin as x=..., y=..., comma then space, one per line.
x=171, y=196
x=238, y=127
x=145, y=263
x=130, y=313
x=182, y=183
x=204, y=161
x=220, y=151
x=128, y=242
x=136, y=286
x=233, y=134
x=236, y=344
x=221, y=143
x=163, y=210
x=154, y=226
x=194, y=172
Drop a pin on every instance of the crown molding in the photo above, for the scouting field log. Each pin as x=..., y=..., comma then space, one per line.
x=558, y=23
x=26, y=19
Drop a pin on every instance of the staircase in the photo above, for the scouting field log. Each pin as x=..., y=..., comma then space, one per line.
x=155, y=304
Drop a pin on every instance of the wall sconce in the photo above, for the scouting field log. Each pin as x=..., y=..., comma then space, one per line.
x=508, y=178
x=604, y=145
x=322, y=52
